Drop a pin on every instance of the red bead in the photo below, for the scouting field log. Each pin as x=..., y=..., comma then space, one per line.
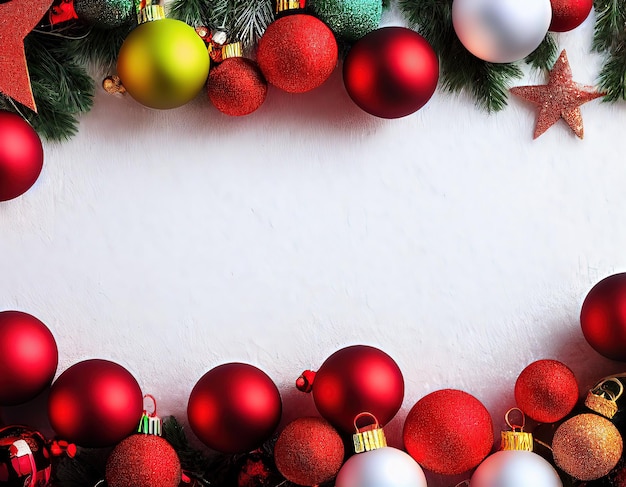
x=237, y=87
x=569, y=14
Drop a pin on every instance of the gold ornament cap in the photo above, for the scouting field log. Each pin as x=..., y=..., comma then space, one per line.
x=286, y=5
x=371, y=437
x=602, y=399
x=232, y=50
x=517, y=438
x=148, y=11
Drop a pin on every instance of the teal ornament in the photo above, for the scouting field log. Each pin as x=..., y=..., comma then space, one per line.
x=349, y=19
x=104, y=14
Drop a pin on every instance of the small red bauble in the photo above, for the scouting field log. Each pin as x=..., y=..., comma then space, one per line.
x=448, y=432
x=391, y=72
x=28, y=357
x=569, y=14
x=309, y=451
x=234, y=408
x=546, y=391
x=21, y=156
x=603, y=317
x=95, y=403
x=237, y=86
x=297, y=53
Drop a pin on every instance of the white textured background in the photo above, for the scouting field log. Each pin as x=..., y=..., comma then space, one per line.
x=171, y=242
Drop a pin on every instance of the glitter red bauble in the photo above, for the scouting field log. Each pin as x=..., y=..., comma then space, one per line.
x=28, y=357
x=309, y=451
x=546, y=391
x=234, y=408
x=95, y=403
x=21, y=156
x=603, y=317
x=143, y=461
x=448, y=432
x=297, y=53
x=237, y=86
x=569, y=14
x=391, y=72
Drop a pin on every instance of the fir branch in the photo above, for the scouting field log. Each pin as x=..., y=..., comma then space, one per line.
x=101, y=46
x=545, y=55
x=609, y=26
x=612, y=77
x=193, y=12
x=250, y=20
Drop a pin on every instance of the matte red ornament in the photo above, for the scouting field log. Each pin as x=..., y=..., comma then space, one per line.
x=21, y=155
x=309, y=451
x=448, y=432
x=546, y=391
x=95, y=403
x=391, y=72
x=297, y=53
x=237, y=86
x=603, y=317
x=234, y=408
x=569, y=14
x=28, y=357
x=354, y=380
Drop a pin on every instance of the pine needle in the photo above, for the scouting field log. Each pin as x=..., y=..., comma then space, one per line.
x=545, y=55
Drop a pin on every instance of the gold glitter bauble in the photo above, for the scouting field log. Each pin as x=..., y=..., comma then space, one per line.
x=587, y=446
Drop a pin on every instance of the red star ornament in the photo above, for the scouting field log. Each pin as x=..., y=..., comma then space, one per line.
x=560, y=98
x=17, y=19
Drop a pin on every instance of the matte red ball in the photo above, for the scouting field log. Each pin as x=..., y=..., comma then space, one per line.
x=95, y=403
x=546, y=391
x=448, y=432
x=569, y=14
x=28, y=357
x=21, y=156
x=309, y=451
x=297, y=53
x=391, y=72
x=603, y=317
x=237, y=87
x=234, y=408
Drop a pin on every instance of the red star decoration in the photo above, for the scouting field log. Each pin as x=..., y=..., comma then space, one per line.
x=17, y=19
x=560, y=98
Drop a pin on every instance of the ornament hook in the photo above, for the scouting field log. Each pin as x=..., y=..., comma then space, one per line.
x=515, y=427
x=602, y=389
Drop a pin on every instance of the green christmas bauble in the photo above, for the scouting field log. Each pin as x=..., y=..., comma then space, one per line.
x=105, y=14
x=349, y=19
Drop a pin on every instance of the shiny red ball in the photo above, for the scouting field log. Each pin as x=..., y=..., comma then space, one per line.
x=234, y=408
x=391, y=72
x=546, y=391
x=21, y=156
x=603, y=317
x=297, y=53
x=309, y=451
x=236, y=86
x=28, y=357
x=358, y=379
x=569, y=14
x=95, y=403
x=448, y=432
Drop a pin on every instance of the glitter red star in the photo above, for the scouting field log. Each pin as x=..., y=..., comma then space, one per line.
x=560, y=98
x=17, y=19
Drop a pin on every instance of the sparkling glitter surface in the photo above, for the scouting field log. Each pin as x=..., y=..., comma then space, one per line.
x=349, y=19
x=106, y=14
x=236, y=86
x=560, y=98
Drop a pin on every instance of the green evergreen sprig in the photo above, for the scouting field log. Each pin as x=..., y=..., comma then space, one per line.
x=545, y=55
x=610, y=38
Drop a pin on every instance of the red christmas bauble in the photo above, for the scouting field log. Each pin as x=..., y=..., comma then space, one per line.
x=391, y=72
x=297, y=53
x=28, y=357
x=569, y=14
x=234, y=408
x=309, y=451
x=237, y=86
x=24, y=458
x=448, y=432
x=95, y=403
x=603, y=317
x=546, y=391
x=143, y=461
x=21, y=156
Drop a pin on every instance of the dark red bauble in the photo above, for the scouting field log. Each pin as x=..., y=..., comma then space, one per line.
x=28, y=357
x=309, y=451
x=297, y=53
x=21, y=156
x=391, y=72
x=143, y=461
x=603, y=317
x=546, y=391
x=358, y=379
x=448, y=432
x=95, y=403
x=234, y=408
x=237, y=86
x=569, y=14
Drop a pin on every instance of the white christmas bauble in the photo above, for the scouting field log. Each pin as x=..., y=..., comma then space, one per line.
x=515, y=468
x=501, y=31
x=384, y=467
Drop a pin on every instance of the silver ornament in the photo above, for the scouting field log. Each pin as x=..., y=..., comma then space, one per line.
x=515, y=468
